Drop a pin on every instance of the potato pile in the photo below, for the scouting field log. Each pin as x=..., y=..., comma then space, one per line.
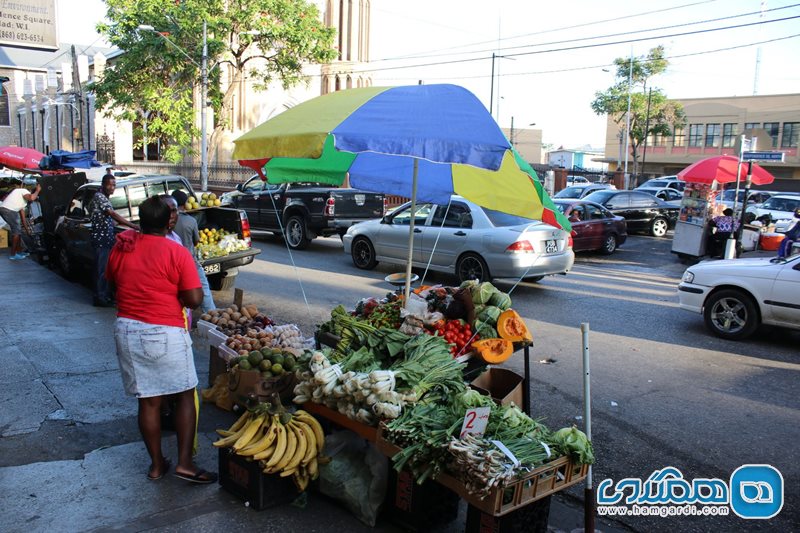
x=235, y=320
x=253, y=340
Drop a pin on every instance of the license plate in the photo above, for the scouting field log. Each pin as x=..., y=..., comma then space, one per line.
x=550, y=247
x=211, y=269
x=360, y=199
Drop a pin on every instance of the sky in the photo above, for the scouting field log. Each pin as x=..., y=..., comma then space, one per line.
x=555, y=52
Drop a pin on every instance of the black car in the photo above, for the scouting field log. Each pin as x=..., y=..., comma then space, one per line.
x=642, y=212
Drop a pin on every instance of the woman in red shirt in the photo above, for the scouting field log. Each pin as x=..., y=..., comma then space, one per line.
x=156, y=280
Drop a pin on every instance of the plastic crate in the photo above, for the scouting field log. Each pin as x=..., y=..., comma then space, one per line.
x=418, y=507
x=532, y=518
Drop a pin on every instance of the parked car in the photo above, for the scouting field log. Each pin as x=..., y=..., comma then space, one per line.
x=736, y=296
x=642, y=212
x=778, y=208
x=671, y=182
x=593, y=226
x=303, y=211
x=72, y=241
x=579, y=191
x=727, y=196
x=665, y=193
x=577, y=180
x=465, y=239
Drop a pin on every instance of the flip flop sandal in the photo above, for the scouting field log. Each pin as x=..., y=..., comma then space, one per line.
x=197, y=477
x=167, y=465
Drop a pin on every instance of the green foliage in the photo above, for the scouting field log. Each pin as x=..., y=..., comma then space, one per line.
x=663, y=114
x=152, y=82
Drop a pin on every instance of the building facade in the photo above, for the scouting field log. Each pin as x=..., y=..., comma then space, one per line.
x=714, y=127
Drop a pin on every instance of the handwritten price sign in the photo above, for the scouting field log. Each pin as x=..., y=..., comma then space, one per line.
x=475, y=421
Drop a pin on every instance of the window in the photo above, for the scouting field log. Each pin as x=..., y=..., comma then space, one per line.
x=254, y=185
x=77, y=209
x=712, y=135
x=155, y=188
x=5, y=115
x=137, y=195
x=696, y=135
x=752, y=125
x=420, y=215
x=119, y=202
x=178, y=185
x=729, y=134
x=659, y=140
x=791, y=133
x=642, y=200
x=772, y=130
x=619, y=201
x=456, y=216
x=679, y=139
x=577, y=214
x=594, y=213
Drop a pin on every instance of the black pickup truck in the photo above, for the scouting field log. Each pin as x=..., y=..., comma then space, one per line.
x=307, y=210
x=66, y=226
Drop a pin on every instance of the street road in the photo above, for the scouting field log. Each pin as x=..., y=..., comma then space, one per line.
x=664, y=391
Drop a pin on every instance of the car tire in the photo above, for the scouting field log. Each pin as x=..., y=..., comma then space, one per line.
x=659, y=227
x=534, y=279
x=65, y=262
x=731, y=314
x=296, y=234
x=363, y=253
x=609, y=244
x=472, y=266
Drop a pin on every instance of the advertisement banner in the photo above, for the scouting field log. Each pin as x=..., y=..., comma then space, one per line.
x=28, y=24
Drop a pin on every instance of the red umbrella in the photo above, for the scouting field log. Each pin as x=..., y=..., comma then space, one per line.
x=18, y=158
x=723, y=169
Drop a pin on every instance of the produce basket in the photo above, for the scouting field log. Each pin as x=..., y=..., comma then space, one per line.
x=547, y=479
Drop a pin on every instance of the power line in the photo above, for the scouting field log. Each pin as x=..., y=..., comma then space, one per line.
x=618, y=34
x=582, y=47
x=551, y=30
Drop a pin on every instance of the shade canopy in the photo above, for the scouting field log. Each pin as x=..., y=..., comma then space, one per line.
x=19, y=158
x=373, y=135
x=723, y=169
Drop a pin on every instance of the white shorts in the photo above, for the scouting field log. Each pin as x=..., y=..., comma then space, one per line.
x=154, y=360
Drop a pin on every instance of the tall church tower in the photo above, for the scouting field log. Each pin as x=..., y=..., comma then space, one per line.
x=351, y=18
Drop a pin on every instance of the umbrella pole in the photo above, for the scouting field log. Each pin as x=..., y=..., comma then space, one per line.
x=411, y=231
x=588, y=491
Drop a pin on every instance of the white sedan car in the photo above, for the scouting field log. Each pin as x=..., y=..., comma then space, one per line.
x=779, y=208
x=738, y=295
x=465, y=239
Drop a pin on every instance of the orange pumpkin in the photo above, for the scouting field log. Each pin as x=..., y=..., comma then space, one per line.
x=493, y=351
x=511, y=327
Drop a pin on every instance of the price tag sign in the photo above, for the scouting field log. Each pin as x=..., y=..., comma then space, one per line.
x=475, y=421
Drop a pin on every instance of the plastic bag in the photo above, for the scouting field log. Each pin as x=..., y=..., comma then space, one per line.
x=356, y=476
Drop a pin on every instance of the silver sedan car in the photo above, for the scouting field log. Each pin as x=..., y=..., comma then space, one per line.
x=465, y=239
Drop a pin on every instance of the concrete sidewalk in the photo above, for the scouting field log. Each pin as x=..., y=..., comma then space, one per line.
x=71, y=457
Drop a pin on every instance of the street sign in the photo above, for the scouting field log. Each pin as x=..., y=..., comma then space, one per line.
x=763, y=156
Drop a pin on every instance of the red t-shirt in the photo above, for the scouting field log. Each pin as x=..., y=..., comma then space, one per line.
x=149, y=277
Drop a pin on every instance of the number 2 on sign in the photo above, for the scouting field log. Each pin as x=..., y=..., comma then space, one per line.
x=475, y=421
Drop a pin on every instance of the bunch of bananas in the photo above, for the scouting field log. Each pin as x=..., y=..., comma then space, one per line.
x=287, y=444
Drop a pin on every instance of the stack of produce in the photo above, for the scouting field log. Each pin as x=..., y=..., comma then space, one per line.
x=234, y=319
x=287, y=444
x=428, y=433
x=207, y=199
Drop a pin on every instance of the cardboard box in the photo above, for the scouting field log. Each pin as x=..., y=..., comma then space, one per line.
x=3, y=238
x=244, y=479
x=503, y=385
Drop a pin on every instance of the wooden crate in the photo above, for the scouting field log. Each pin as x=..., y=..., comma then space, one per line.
x=547, y=479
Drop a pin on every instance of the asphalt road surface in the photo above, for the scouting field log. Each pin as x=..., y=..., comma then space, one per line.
x=664, y=391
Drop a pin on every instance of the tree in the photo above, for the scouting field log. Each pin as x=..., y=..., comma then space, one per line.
x=659, y=118
x=153, y=83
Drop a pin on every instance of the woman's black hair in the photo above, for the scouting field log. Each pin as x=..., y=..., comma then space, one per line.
x=154, y=215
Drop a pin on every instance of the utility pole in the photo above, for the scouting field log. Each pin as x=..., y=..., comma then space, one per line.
x=511, y=133
x=646, y=128
x=203, y=120
x=78, y=94
x=628, y=121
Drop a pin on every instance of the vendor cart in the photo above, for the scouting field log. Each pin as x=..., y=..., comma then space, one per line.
x=692, y=228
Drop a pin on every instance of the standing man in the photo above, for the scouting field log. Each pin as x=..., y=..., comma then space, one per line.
x=186, y=228
x=12, y=210
x=104, y=218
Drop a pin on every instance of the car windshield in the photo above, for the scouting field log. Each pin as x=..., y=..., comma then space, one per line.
x=727, y=196
x=569, y=192
x=500, y=220
x=561, y=207
x=600, y=197
x=781, y=204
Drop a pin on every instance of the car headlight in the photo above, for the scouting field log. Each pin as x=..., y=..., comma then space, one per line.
x=688, y=276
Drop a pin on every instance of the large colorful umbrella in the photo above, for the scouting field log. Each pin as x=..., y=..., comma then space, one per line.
x=723, y=169
x=19, y=158
x=425, y=142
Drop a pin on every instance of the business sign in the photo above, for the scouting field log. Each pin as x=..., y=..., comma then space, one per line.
x=28, y=24
x=763, y=156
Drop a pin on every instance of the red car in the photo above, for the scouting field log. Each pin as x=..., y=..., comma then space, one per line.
x=593, y=226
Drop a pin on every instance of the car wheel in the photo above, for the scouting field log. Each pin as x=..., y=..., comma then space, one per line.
x=609, y=245
x=534, y=279
x=659, y=227
x=64, y=262
x=295, y=233
x=472, y=266
x=731, y=314
x=220, y=282
x=363, y=254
